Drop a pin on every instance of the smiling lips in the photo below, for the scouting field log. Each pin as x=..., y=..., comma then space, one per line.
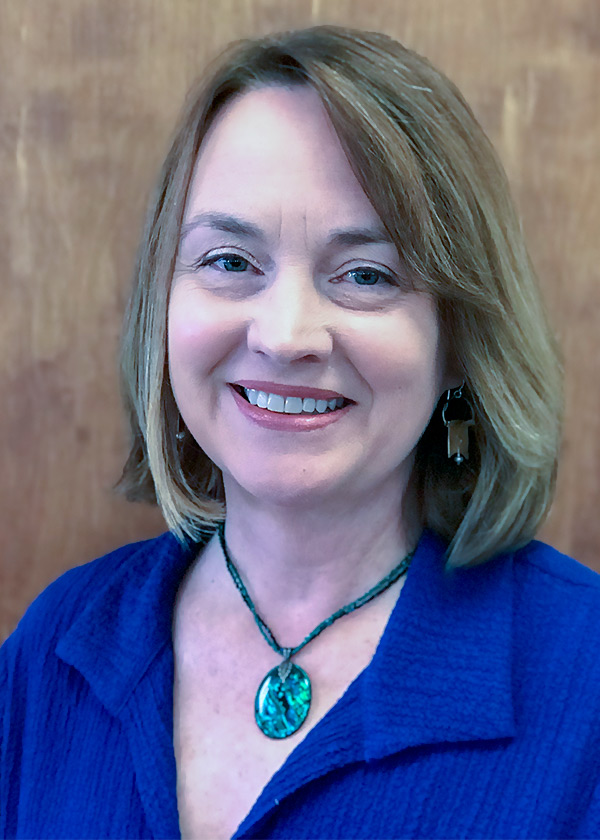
x=289, y=407
x=290, y=399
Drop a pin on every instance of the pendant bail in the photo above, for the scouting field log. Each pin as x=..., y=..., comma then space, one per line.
x=285, y=667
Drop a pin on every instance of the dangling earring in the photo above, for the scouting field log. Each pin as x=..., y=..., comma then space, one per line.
x=180, y=433
x=457, y=415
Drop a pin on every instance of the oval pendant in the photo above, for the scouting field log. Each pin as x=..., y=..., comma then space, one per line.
x=281, y=705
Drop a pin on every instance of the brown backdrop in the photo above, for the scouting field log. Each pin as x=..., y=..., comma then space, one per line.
x=89, y=90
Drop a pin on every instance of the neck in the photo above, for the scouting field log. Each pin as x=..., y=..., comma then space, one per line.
x=310, y=561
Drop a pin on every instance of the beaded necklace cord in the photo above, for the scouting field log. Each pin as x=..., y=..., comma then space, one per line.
x=284, y=696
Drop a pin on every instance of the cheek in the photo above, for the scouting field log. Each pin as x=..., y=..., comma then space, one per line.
x=401, y=355
x=197, y=336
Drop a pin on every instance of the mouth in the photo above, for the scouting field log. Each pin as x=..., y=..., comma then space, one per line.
x=292, y=403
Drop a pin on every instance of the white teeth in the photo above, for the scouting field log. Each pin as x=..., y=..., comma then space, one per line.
x=308, y=404
x=276, y=403
x=291, y=405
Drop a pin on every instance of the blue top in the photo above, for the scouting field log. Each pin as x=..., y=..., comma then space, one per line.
x=478, y=716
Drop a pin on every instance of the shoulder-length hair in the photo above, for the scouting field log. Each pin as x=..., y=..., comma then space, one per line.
x=435, y=181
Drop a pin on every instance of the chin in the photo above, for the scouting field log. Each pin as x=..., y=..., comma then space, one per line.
x=286, y=487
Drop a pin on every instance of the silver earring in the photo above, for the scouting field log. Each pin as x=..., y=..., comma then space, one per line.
x=180, y=433
x=457, y=415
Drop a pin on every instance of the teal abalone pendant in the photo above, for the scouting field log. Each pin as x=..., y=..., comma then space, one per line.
x=282, y=700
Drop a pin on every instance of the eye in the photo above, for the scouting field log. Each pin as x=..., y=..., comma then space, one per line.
x=231, y=262
x=367, y=276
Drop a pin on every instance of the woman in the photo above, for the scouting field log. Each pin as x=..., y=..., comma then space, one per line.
x=346, y=400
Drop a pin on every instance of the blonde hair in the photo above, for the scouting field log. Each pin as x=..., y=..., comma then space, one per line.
x=434, y=179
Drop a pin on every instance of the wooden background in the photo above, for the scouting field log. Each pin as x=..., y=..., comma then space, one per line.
x=89, y=91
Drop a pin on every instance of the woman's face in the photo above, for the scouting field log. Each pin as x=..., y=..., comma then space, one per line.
x=280, y=286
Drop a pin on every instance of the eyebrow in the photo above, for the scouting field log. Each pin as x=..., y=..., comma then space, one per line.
x=240, y=227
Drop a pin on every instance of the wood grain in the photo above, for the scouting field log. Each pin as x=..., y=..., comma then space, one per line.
x=90, y=90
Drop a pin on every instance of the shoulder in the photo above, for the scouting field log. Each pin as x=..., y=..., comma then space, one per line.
x=551, y=578
x=59, y=605
x=557, y=606
x=542, y=562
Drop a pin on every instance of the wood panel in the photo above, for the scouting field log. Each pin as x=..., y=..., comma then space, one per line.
x=89, y=91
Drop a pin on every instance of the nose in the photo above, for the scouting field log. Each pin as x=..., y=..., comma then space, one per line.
x=288, y=321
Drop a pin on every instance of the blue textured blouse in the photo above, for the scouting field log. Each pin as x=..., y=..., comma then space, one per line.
x=478, y=716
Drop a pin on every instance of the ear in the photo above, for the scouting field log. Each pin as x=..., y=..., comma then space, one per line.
x=452, y=372
x=452, y=382
x=452, y=375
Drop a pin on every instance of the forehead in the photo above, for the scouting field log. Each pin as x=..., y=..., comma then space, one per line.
x=272, y=122
x=275, y=149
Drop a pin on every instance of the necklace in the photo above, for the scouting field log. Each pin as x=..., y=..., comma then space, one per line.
x=283, y=698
